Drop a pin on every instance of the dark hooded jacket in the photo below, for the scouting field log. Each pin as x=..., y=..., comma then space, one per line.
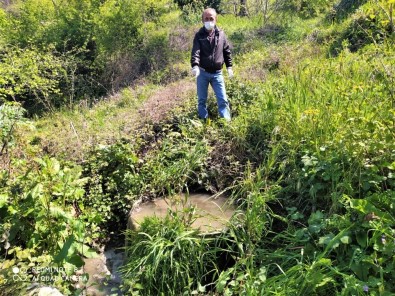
x=211, y=56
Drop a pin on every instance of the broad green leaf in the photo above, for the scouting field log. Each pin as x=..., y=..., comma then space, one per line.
x=85, y=277
x=23, y=254
x=324, y=281
x=345, y=239
x=309, y=161
x=55, y=165
x=297, y=216
x=69, y=268
x=75, y=262
x=366, y=207
x=3, y=200
x=223, y=279
x=34, y=240
x=28, y=212
x=58, y=212
x=323, y=262
x=85, y=250
x=335, y=242
x=36, y=192
x=316, y=216
x=201, y=288
x=361, y=269
x=7, y=264
x=325, y=240
x=315, y=228
x=262, y=274
x=15, y=229
x=66, y=250
x=335, y=245
x=361, y=237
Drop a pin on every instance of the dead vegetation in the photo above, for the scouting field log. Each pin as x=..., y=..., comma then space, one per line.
x=71, y=135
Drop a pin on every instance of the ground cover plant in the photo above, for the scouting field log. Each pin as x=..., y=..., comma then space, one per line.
x=308, y=158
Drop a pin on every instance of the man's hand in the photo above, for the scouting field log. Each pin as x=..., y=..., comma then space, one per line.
x=195, y=71
x=230, y=72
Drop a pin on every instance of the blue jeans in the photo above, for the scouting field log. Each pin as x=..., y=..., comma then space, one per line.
x=217, y=82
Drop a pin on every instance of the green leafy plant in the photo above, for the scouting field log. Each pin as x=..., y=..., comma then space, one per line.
x=31, y=77
x=164, y=250
x=10, y=115
x=40, y=225
x=114, y=185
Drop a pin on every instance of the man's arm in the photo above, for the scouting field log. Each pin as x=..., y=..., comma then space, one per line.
x=227, y=53
x=195, y=55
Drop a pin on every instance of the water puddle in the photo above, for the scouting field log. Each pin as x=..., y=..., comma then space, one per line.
x=104, y=276
x=212, y=213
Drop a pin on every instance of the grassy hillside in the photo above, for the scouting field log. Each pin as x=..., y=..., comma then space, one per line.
x=308, y=158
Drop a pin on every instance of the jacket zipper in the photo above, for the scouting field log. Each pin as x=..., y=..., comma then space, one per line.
x=216, y=37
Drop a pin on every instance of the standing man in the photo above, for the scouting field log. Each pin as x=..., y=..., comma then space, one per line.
x=210, y=51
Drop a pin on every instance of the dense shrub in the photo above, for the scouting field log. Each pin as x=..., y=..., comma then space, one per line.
x=199, y=3
x=120, y=175
x=117, y=26
x=4, y=26
x=11, y=114
x=32, y=77
x=305, y=8
x=370, y=25
x=92, y=45
x=40, y=226
x=343, y=8
x=114, y=184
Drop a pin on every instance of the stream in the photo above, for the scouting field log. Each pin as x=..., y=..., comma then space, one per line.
x=211, y=216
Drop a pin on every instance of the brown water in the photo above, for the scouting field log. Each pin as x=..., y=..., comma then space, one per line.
x=104, y=276
x=210, y=214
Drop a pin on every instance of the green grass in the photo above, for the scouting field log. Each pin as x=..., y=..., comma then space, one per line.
x=164, y=250
x=323, y=131
x=73, y=133
x=233, y=24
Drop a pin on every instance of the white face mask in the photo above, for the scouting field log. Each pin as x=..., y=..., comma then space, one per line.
x=209, y=25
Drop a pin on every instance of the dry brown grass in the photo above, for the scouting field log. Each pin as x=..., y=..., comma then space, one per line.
x=158, y=106
x=71, y=135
